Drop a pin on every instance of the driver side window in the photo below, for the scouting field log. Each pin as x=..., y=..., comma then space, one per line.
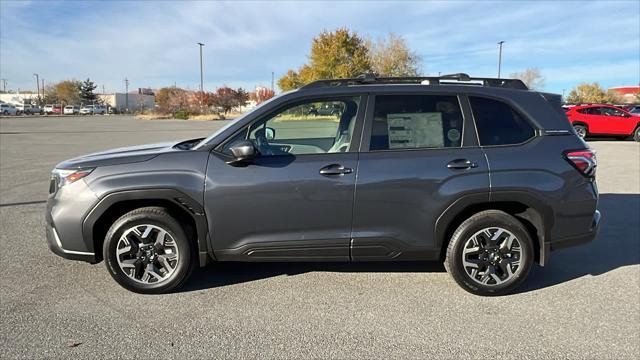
x=310, y=127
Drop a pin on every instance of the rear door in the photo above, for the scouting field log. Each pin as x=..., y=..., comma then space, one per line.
x=419, y=155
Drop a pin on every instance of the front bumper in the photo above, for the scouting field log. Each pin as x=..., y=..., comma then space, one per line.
x=55, y=245
x=575, y=240
x=66, y=208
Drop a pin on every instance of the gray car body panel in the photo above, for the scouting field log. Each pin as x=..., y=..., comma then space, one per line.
x=396, y=205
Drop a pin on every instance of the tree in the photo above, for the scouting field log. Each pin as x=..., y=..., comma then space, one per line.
x=227, y=98
x=67, y=91
x=591, y=94
x=392, y=57
x=86, y=91
x=171, y=99
x=531, y=77
x=261, y=94
x=337, y=54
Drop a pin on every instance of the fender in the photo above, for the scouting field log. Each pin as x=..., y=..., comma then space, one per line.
x=542, y=217
x=192, y=207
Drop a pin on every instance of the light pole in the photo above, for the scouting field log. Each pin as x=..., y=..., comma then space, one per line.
x=37, y=86
x=201, y=75
x=4, y=85
x=500, y=57
x=126, y=94
x=272, y=80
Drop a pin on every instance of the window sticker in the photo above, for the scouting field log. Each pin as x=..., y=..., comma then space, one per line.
x=415, y=130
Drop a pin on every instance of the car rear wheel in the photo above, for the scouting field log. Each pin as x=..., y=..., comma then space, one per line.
x=147, y=251
x=581, y=130
x=491, y=253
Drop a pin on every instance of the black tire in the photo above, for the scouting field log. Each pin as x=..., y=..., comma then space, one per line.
x=636, y=134
x=159, y=217
x=581, y=131
x=482, y=220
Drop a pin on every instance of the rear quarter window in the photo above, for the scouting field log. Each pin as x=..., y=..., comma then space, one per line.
x=498, y=123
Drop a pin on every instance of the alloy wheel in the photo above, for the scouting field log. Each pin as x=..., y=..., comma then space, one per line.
x=492, y=256
x=147, y=254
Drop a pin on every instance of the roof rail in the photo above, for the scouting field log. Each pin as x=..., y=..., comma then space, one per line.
x=457, y=79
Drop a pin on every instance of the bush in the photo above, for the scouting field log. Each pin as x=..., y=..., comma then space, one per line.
x=181, y=114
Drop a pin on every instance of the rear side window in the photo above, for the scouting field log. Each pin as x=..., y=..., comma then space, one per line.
x=498, y=123
x=416, y=121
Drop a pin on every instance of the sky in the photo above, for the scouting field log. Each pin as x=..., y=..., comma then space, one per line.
x=153, y=43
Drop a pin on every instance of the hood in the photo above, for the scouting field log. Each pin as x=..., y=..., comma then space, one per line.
x=124, y=155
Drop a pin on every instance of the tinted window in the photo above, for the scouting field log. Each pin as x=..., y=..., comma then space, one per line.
x=416, y=121
x=498, y=123
x=611, y=112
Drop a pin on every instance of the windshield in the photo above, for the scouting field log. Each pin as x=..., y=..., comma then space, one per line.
x=229, y=124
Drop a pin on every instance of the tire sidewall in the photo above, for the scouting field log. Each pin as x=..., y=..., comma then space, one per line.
x=472, y=226
x=165, y=222
x=584, y=128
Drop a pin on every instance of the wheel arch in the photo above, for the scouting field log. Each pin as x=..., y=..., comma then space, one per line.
x=535, y=216
x=186, y=210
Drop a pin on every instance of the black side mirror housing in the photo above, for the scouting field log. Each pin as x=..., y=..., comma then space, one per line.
x=243, y=153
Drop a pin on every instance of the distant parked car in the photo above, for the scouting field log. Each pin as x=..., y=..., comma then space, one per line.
x=326, y=110
x=93, y=109
x=112, y=110
x=71, y=110
x=27, y=109
x=600, y=119
x=8, y=109
x=52, y=109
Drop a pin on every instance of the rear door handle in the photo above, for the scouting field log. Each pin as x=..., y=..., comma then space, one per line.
x=335, y=169
x=461, y=164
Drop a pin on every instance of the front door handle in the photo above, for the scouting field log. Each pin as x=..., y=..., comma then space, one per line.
x=335, y=169
x=461, y=164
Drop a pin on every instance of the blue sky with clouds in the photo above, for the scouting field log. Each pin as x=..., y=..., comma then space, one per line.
x=154, y=43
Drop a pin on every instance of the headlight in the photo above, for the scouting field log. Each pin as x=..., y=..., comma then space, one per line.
x=68, y=176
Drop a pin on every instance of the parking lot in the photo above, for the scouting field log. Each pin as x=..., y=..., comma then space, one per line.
x=585, y=304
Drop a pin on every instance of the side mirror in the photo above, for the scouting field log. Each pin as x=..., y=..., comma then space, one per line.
x=243, y=152
x=270, y=133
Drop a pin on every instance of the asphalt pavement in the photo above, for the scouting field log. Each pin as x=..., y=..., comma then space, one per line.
x=584, y=304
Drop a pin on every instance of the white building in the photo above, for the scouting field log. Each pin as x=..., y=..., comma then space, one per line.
x=19, y=98
x=131, y=101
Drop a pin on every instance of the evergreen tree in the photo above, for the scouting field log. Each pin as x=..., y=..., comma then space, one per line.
x=86, y=91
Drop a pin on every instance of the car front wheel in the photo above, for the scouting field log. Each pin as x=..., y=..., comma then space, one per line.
x=636, y=134
x=491, y=253
x=147, y=251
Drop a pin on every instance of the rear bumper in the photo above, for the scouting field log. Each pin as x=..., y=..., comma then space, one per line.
x=575, y=240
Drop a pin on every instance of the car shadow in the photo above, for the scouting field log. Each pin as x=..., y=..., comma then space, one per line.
x=617, y=245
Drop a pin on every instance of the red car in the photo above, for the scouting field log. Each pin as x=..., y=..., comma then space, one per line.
x=597, y=119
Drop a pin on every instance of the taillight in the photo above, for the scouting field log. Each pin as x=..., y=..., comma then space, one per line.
x=583, y=160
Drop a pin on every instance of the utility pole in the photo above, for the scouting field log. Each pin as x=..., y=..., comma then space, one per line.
x=201, y=75
x=4, y=85
x=37, y=86
x=126, y=94
x=500, y=58
x=43, y=94
x=272, y=80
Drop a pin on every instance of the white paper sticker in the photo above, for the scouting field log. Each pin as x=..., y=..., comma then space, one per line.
x=415, y=130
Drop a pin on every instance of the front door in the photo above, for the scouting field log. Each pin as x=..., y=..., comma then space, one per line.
x=295, y=200
x=418, y=164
